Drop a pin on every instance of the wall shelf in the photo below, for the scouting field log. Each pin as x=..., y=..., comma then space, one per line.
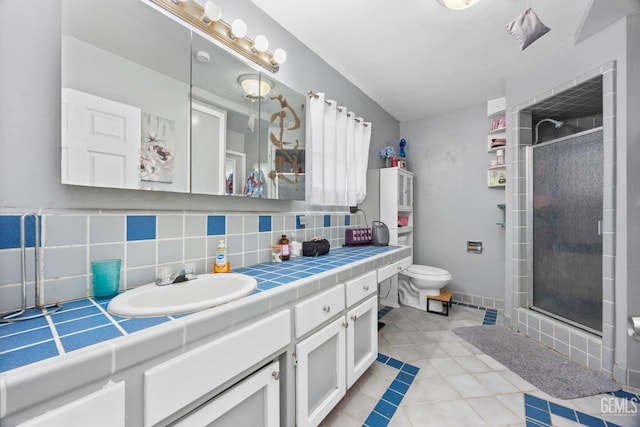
x=497, y=173
x=503, y=208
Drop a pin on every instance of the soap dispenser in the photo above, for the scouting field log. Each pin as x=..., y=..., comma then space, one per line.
x=221, y=264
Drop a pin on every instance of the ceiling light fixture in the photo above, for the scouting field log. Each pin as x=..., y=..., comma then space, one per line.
x=255, y=86
x=206, y=15
x=458, y=4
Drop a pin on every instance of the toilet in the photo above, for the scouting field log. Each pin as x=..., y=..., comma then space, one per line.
x=419, y=281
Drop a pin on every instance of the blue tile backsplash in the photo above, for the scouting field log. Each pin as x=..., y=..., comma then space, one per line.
x=141, y=227
x=10, y=231
x=144, y=241
x=264, y=223
x=216, y=225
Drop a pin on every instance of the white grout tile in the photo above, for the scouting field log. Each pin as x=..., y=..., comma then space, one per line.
x=495, y=383
x=467, y=386
x=460, y=413
x=472, y=364
x=493, y=411
x=424, y=415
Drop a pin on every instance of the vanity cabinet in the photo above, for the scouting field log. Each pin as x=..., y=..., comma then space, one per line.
x=321, y=373
x=396, y=204
x=105, y=408
x=253, y=402
x=362, y=339
x=277, y=358
x=179, y=382
x=330, y=360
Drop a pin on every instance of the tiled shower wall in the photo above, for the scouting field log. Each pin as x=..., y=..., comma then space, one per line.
x=584, y=348
x=71, y=240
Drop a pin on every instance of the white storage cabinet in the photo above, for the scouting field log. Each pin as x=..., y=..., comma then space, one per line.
x=330, y=360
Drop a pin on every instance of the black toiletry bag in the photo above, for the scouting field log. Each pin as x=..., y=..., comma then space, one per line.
x=315, y=247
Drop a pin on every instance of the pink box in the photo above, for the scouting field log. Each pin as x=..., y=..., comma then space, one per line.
x=403, y=220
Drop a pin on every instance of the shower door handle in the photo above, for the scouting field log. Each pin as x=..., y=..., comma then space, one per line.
x=599, y=227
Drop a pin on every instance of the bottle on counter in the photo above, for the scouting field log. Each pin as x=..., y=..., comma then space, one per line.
x=295, y=247
x=221, y=264
x=285, y=250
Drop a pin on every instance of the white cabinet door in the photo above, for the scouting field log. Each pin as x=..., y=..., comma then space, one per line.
x=192, y=375
x=405, y=190
x=103, y=408
x=320, y=380
x=253, y=402
x=362, y=339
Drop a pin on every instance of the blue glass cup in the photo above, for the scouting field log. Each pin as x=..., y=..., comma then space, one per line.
x=105, y=277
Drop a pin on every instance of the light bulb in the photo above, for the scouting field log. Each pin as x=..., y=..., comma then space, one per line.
x=261, y=44
x=238, y=28
x=457, y=4
x=212, y=10
x=279, y=56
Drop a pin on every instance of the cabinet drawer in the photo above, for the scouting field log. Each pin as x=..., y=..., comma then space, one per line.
x=318, y=309
x=103, y=408
x=360, y=287
x=176, y=383
x=394, y=268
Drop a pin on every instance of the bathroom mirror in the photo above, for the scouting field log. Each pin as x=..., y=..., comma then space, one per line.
x=148, y=104
x=282, y=149
x=125, y=96
x=223, y=119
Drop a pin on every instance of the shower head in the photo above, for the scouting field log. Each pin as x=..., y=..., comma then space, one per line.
x=557, y=123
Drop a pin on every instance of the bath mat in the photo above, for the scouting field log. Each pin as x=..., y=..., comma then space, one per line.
x=544, y=368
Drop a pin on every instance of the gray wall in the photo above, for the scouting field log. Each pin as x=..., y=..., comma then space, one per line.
x=448, y=155
x=30, y=113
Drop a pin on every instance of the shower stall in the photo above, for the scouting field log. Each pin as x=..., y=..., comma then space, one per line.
x=565, y=210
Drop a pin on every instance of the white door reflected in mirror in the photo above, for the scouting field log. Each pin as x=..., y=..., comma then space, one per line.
x=235, y=171
x=100, y=141
x=208, y=144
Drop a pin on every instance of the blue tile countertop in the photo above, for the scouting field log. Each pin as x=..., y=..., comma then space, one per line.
x=84, y=322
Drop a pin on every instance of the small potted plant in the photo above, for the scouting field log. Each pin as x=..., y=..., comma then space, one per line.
x=388, y=153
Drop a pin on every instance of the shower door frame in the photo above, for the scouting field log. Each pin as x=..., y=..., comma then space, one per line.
x=529, y=173
x=518, y=316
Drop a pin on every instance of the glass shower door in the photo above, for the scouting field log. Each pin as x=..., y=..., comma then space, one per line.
x=567, y=241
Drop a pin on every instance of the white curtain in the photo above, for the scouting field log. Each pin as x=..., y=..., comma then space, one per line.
x=339, y=144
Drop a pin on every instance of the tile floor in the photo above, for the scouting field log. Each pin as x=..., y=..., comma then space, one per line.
x=428, y=376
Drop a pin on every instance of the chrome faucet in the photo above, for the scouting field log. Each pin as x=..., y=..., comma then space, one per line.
x=186, y=273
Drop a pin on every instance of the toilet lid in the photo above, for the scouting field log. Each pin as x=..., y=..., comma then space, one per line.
x=427, y=270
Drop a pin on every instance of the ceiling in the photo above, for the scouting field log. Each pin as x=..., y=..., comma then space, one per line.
x=415, y=58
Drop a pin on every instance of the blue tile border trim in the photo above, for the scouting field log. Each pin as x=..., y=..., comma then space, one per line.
x=383, y=311
x=391, y=398
x=490, y=317
x=538, y=413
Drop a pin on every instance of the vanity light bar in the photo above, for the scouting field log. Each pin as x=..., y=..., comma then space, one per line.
x=191, y=12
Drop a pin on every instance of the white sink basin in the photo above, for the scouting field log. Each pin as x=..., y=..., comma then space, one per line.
x=208, y=290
